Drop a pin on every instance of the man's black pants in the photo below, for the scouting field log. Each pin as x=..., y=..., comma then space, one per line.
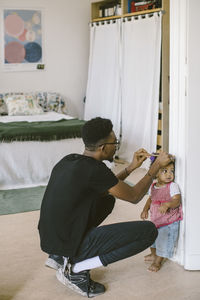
x=114, y=242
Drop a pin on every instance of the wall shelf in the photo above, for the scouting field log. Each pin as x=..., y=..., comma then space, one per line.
x=106, y=18
x=115, y=9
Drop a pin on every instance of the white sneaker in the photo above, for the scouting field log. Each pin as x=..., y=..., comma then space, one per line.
x=80, y=283
x=54, y=261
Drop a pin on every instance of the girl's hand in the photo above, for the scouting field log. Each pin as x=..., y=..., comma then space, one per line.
x=144, y=215
x=163, y=208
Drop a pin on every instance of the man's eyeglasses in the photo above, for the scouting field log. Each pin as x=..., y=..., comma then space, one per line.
x=116, y=143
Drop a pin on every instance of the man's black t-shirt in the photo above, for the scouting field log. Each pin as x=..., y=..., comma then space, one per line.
x=76, y=182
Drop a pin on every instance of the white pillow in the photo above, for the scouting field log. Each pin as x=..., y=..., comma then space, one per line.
x=22, y=106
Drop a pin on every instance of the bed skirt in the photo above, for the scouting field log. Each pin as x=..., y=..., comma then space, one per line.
x=27, y=164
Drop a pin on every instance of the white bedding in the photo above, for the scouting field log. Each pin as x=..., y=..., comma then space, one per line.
x=47, y=116
x=26, y=164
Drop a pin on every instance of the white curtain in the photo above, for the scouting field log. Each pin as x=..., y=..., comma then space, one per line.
x=141, y=48
x=103, y=96
x=124, y=77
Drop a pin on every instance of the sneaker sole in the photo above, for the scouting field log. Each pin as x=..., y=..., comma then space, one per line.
x=61, y=277
x=51, y=263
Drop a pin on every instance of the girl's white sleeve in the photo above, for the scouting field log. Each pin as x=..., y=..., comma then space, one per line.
x=174, y=189
x=149, y=191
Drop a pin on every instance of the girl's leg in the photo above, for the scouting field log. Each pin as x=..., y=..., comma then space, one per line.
x=161, y=244
x=156, y=265
x=151, y=256
x=167, y=236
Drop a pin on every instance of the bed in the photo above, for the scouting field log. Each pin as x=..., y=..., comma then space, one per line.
x=30, y=146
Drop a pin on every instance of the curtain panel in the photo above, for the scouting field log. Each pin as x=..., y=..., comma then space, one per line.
x=124, y=77
x=103, y=95
x=141, y=48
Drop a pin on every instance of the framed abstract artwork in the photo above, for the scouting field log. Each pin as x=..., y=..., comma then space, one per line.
x=23, y=40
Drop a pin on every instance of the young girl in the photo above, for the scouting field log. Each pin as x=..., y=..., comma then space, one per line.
x=165, y=212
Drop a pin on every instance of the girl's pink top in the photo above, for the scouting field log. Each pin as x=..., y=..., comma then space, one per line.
x=159, y=196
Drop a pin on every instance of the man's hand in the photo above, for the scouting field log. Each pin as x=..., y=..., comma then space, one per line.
x=138, y=158
x=164, y=159
x=144, y=215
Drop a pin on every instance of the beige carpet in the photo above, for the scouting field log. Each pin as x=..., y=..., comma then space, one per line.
x=23, y=275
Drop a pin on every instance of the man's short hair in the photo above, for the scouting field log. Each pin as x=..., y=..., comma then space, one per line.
x=95, y=131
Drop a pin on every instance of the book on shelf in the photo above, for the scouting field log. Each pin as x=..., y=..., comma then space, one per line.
x=110, y=9
x=135, y=6
x=129, y=5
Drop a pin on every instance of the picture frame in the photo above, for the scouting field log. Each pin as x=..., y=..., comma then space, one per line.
x=22, y=47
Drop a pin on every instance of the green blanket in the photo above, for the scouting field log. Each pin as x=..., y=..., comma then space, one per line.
x=40, y=131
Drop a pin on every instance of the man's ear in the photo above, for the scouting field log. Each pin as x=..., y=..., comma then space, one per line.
x=103, y=150
x=102, y=147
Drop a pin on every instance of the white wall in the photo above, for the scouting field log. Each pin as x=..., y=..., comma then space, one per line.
x=192, y=243
x=185, y=121
x=66, y=41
